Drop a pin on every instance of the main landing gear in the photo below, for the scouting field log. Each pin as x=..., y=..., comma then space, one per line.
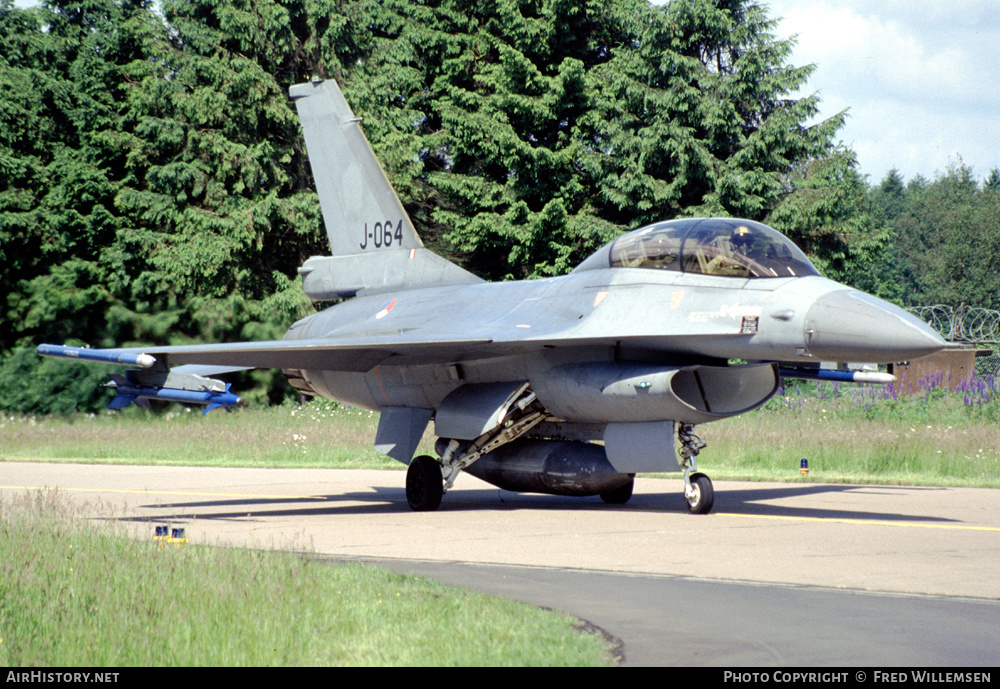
x=424, y=484
x=428, y=479
x=698, y=491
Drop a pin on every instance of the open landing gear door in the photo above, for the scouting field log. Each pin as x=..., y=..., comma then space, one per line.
x=641, y=447
x=474, y=410
x=400, y=430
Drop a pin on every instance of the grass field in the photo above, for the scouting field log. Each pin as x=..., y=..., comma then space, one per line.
x=316, y=434
x=860, y=434
x=847, y=434
x=78, y=595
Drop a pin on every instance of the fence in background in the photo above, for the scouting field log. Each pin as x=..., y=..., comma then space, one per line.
x=971, y=325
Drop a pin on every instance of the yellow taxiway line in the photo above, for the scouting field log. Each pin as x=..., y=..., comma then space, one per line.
x=872, y=522
x=257, y=496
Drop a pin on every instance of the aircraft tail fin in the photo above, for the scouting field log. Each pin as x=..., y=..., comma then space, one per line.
x=374, y=245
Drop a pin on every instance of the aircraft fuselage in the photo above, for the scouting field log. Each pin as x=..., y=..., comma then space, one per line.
x=657, y=317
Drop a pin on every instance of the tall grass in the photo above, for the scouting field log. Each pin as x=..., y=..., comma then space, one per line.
x=314, y=434
x=72, y=594
x=864, y=434
x=846, y=432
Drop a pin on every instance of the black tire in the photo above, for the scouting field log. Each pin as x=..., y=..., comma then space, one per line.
x=619, y=496
x=424, y=484
x=704, y=495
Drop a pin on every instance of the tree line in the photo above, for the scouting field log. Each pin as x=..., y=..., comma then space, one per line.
x=154, y=186
x=946, y=238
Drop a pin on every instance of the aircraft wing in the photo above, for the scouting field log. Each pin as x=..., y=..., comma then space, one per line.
x=342, y=354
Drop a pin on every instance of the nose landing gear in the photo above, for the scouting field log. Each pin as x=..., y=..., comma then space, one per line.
x=698, y=491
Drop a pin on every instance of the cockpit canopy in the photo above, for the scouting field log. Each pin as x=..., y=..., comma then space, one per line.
x=710, y=246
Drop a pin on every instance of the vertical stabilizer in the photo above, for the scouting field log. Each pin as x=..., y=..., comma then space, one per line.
x=373, y=243
x=360, y=208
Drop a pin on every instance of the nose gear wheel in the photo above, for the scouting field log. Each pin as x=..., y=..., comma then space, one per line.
x=698, y=491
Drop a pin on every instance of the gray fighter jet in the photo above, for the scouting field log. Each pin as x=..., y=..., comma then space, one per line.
x=568, y=385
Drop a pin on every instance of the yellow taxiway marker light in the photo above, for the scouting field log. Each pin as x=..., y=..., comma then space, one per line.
x=164, y=535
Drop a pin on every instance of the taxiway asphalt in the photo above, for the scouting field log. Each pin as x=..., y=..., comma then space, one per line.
x=778, y=574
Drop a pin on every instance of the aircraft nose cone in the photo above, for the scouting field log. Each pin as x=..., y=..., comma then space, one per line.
x=848, y=325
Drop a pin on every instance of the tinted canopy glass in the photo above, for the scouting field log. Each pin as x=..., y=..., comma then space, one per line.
x=713, y=246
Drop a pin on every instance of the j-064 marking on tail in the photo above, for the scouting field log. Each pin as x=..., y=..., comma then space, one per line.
x=382, y=235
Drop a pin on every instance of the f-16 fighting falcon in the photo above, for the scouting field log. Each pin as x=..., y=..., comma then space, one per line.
x=568, y=385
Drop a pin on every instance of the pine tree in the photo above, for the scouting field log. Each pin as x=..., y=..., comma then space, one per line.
x=529, y=133
x=63, y=66
x=216, y=220
x=950, y=239
x=992, y=183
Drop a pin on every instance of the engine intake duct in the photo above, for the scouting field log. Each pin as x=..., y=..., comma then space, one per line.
x=555, y=467
x=633, y=392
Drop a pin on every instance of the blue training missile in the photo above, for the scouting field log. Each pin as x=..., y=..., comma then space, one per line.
x=108, y=356
x=127, y=394
x=875, y=377
x=140, y=386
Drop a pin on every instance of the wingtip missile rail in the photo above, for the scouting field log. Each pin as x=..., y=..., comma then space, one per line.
x=105, y=355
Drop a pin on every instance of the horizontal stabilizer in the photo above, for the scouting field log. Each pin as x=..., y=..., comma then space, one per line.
x=339, y=277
